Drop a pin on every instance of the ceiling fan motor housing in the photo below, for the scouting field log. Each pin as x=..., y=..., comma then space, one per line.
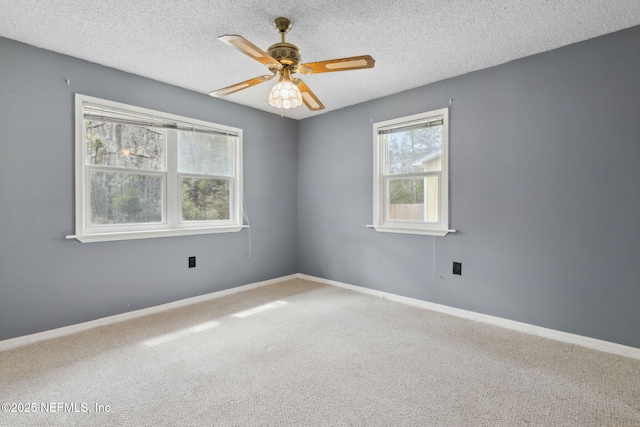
x=285, y=53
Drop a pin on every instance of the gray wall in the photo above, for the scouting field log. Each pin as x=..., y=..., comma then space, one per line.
x=47, y=281
x=544, y=178
x=545, y=171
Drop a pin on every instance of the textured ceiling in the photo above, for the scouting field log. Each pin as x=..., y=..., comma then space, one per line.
x=414, y=42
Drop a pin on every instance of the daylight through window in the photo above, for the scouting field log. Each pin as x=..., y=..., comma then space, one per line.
x=411, y=174
x=142, y=173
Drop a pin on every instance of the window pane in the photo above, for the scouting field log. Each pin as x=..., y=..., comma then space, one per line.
x=204, y=154
x=126, y=146
x=205, y=199
x=414, y=150
x=123, y=198
x=413, y=199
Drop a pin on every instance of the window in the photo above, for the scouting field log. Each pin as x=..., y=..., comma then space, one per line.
x=411, y=174
x=142, y=173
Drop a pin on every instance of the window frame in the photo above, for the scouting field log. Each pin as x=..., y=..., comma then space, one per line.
x=172, y=223
x=380, y=179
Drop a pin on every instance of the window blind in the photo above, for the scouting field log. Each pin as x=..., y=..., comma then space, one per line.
x=415, y=124
x=100, y=113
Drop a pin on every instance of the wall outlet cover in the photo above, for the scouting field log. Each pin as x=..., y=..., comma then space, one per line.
x=457, y=268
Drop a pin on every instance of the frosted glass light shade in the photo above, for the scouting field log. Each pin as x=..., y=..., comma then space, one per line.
x=285, y=95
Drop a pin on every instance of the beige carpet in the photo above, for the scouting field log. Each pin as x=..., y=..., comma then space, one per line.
x=304, y=354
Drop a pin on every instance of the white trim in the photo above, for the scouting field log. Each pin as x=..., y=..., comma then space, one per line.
x=406, y=230
x=171, y=225
x=592, y=343
x=148, y=234
x=380, y=177
x=12, y=343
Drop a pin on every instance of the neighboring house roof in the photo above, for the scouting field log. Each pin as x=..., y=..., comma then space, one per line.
x=427, y=157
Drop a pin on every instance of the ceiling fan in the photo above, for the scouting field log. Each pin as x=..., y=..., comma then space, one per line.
x=283, y=59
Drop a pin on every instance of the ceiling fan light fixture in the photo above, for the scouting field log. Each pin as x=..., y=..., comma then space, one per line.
x=285, y=94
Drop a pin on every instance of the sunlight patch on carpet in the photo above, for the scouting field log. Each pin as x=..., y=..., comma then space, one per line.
x=259, y=308
x=172, y=336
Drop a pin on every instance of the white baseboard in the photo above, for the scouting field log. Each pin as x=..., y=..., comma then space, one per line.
x=596, y=344
x=606, y=346
x=71, y=329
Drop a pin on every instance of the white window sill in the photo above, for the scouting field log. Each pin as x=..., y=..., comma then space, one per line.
x=130, y=235
x=411, y=230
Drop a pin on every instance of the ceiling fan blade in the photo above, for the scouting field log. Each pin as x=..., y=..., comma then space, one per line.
x=342, y=64
x=248, y=48
x=242, y=85
x=308, y=97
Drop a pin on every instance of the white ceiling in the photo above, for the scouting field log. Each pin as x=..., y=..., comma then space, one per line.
x=414, y=42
